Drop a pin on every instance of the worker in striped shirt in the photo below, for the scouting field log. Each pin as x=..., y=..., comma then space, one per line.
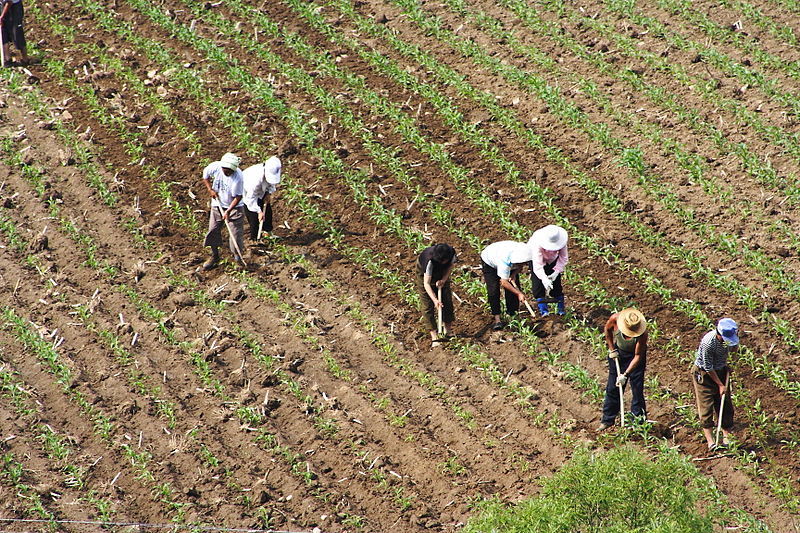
x=710, y=377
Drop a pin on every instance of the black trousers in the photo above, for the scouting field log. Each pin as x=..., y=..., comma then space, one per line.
x=636, y=381
x=252, y=218
x=538, y=289
x=493, y=290
x=13, y=29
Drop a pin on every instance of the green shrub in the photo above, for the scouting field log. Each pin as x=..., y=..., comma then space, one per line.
x=619, y=491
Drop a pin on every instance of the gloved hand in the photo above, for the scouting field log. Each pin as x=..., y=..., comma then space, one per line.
x=622, y=379
x=548, y=284
x=552, y=277
x=613, y=354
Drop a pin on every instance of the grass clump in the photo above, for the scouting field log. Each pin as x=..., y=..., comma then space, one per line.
x=618, y=491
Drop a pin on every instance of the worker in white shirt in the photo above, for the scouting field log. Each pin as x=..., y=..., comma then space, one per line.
x=502, y=262
x=223, y=179
x=260, y=183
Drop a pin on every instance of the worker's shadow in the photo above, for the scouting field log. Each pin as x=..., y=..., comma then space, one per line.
x=541, y=328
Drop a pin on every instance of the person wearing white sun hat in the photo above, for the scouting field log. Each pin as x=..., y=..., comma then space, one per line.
x=223, y=180
x=550, y=255
x=626, y=338
x=710, y=373
x=260, y=183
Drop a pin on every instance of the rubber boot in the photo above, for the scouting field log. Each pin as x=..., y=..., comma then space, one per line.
x=212, y=262
x=543, y=307
x=560, y=306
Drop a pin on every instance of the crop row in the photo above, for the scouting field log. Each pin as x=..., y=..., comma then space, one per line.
x=179, y=281
x=150, y=312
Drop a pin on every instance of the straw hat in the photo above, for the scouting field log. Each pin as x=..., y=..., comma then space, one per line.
x=631, y=322
x=272, y=170
x=230, y=161
x=550, y=238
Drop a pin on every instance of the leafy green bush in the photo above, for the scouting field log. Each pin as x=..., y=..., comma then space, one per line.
x=619, y=491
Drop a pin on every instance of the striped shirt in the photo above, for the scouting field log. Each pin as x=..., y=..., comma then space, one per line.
x=712, y=354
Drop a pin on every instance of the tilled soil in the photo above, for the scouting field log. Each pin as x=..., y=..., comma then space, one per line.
x=303, y=391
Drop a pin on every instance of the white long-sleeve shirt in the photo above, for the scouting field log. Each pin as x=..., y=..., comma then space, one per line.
x=542, y=256
x=256, y=185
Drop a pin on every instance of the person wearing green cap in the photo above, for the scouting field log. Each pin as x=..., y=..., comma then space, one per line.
x=224, y=183
x=710, y=377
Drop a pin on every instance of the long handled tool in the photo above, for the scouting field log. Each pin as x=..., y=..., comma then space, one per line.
x=621, y=395
x=722, y=408
x=2, y=49
x=260, y=228
x=440, y=322
x=530, y=309
x=231, y=236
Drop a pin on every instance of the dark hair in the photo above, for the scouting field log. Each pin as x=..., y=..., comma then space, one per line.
x=443, y=253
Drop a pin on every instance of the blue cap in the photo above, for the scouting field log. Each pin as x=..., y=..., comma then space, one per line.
x=728, y=330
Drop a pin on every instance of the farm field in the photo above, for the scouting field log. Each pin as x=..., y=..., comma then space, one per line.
x=302, y=392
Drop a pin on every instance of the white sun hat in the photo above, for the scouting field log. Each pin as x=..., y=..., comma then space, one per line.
x=550, y=238
x=272, y=170
x=230, y=161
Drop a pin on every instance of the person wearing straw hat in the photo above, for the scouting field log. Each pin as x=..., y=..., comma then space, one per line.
x=223, y=179
x=626, y=338
x=550, y=256
x=260, y=183
x=434, y=266
x=710, y=376
x=502, y=262
x=12, y=14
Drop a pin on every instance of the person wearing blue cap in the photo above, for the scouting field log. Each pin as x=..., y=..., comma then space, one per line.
x=710, y=376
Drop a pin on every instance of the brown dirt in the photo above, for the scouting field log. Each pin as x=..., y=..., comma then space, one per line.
x=401, y=458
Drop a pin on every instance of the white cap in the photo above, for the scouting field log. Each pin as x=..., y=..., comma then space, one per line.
x=272, y=170
x=230, y=161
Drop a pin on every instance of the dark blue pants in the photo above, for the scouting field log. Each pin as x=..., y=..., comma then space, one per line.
x=636, y=382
